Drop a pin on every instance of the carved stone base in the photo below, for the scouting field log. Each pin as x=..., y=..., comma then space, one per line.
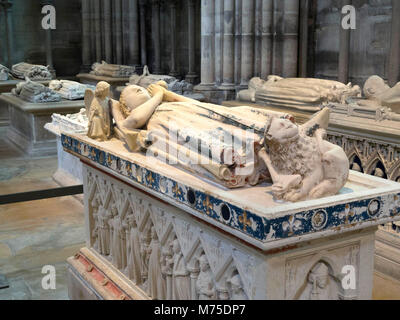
x=174, y=236
x=5, y=87
x=27, y=120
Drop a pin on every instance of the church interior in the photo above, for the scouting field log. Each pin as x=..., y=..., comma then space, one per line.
x=199, y=150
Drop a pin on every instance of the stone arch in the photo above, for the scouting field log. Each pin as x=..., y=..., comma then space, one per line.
x=355, y=160
x=320, y=282
x=374, y=166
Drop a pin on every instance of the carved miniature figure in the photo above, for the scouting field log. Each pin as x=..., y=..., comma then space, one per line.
x=134, y=266
x=236, y=286
x=205, y=288
x=118, y=241
x=181, y=277
x=95, y=203
x=156, y=287
x=144, y=255
x=320, y=285
x=167, y=264
x=104, y=233
x=98, y=111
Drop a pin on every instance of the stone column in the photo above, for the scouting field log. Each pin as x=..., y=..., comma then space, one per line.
x=93, y=4
x=155, y=36
x=173, y=70
x=344, y=48
x=142, y=11
x=238, y=40
x=194, y=274
x=266, y=38
x=229, y=45
x=191, y=76
x=247, y=66
x=97, y=29
x=48, y=43
x=290, y=40
x=107, y=39
x=257, y=38
x=86, y=59
x=118, y=31
x=207, y=45
x=277, y=46
x=134, y=55
x=5, y=6
x=303, y=38
x=394, y=59
x=218, y=38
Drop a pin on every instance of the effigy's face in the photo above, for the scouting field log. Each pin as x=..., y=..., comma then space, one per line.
x=135, y=96
x=282, y=130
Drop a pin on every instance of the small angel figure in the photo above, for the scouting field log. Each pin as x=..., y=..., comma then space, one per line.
x=99, y=112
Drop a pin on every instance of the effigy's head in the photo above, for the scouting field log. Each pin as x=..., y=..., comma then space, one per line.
x=102, y=89
x=281, y=130
x=132, y=97
x=204, y=265
x=236, y=283
x=374, y=86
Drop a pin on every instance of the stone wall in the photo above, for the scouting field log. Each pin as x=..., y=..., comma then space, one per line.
x=369, y=42
x=28, y=37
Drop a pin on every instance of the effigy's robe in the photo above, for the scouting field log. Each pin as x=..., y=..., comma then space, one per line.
x=216, y=142
x=304, y=93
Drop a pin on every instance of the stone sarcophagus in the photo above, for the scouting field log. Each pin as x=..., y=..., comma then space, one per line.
x=158, y=232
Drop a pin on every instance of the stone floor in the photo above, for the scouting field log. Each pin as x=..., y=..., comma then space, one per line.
x=46, y=232
x=36, y=233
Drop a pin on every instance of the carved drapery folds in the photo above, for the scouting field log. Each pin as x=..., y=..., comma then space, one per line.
x=164, y=255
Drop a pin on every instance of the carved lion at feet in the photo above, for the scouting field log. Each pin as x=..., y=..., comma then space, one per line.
x=302, y=164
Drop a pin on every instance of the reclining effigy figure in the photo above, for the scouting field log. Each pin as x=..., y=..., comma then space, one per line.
x=180, y=87
x=24, y=70
x=70, y=90
x=112, y=70
x=35, y=92
x=4, y=73
x=242, y=145
x=299, y=93
x=379, y=94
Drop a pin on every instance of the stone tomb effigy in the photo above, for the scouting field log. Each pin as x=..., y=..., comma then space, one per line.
x=114, y=74
x=219, y=229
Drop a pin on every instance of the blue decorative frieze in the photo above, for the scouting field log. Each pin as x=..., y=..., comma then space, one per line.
x=333, y=217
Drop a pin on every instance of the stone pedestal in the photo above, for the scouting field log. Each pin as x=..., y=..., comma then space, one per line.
x=69, y=170
x=243, y=237
x=7, y=86
x=27, y=120
x=92, y=79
